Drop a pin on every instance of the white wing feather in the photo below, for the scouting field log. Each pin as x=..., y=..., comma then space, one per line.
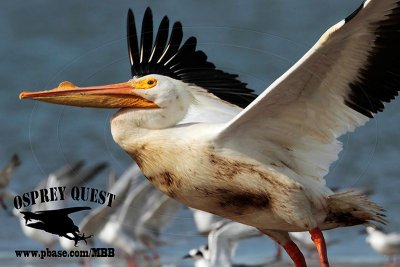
x=296, y=121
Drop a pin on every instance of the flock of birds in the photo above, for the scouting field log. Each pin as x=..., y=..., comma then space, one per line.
x=134, y=226
x=207, y=141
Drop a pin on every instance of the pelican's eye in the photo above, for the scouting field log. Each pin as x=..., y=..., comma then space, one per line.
x=146, y=83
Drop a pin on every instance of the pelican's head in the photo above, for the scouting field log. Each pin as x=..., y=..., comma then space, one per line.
x=152, y=101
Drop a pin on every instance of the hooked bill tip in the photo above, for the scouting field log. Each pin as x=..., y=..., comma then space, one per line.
x=62, y=86
x=22, y=95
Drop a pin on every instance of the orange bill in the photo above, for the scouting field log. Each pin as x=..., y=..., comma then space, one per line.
x=119, y=95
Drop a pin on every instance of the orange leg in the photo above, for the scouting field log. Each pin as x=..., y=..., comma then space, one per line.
x=319, y=241
x=295, y=254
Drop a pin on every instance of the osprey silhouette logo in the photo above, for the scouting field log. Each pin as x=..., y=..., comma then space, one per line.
x=56, y=222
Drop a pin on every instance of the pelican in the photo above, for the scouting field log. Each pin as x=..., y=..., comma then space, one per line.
x=265, y=167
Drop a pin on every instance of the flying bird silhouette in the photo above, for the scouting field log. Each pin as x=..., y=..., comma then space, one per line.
x=56, y=222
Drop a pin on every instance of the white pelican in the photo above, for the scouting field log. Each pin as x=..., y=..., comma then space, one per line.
x=5, y=177
x=265, y=167
x=387, y=244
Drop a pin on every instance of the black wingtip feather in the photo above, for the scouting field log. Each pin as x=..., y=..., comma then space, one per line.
x=175, y=41
x=160, y=42
x=133, y=48
x=168, y=57
x=146, y=40
x=354, y=13
x=379, y=79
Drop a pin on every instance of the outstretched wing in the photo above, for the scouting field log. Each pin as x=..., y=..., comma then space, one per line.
x=168, y=57
x=337, y=86
x=38, y=225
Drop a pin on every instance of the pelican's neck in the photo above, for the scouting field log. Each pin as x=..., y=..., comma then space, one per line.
x=191, y=106
x=126, y=128
x=132, y=128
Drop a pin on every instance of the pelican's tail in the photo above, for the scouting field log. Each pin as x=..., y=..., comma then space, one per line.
x=352, y=208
